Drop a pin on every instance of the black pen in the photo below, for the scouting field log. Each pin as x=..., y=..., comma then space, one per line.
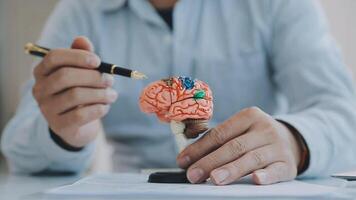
x=36, y=50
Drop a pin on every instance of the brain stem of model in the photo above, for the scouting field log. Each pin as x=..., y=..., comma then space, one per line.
x=182, y=101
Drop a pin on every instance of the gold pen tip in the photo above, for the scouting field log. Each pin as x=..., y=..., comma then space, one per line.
x=138, y=75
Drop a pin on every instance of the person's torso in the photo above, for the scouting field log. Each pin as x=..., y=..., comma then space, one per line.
x=224, y=43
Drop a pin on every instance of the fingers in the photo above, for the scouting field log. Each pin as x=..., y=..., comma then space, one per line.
x=78, y=96
x=68, y=77
x=248, y=163
x=79, y=56
x=71, y=95
x=231, y=151
x=274, y=173
x=66, y=57
x=83, y=115
x=233, y=127
x=84, y=43
x=249, y=141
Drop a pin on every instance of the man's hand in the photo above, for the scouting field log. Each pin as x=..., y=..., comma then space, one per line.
x=71, y=94
x=248, y=142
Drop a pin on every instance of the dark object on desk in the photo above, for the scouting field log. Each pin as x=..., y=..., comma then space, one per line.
x=104, y=67
x=348, y=178
x=49, y=173
x=168, y=177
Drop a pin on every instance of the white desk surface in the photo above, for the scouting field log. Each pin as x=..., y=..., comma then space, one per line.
x=30, y=187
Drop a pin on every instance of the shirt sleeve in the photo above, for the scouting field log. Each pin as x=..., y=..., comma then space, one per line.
x=26, y=141
x=309, y=71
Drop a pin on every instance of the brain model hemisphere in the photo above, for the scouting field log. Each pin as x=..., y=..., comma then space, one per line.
x=185, y=103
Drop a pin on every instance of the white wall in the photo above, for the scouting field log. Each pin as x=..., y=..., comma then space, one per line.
x=22, y=20
x=342, y=18
x=2, y=36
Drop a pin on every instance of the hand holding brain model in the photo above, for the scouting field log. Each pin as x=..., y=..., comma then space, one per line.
x=185, y=103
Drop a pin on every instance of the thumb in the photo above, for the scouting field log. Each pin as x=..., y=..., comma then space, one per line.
x=83, y=43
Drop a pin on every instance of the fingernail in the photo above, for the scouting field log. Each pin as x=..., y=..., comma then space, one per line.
x=108, y=79
x=195, y=175
x=94, y=61
x=262, y=177
x=220, y=175
x=112, y=94
x=183, y=161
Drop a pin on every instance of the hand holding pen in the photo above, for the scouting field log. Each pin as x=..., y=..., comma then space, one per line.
x=104, y=67
x=71, y=94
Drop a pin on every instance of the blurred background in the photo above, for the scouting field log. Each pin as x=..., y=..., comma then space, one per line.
x=21, y=21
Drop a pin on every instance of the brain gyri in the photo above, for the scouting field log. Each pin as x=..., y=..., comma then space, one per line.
x=177, y=98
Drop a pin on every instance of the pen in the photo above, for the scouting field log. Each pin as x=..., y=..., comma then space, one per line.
x=36, y=50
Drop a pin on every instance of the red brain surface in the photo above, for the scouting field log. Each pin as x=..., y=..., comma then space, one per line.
x=170, y=100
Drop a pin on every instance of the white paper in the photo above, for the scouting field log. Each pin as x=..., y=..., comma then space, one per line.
x=126, y=185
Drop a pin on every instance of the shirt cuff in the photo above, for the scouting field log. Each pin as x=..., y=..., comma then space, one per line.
x=61, y=159
x=60, y=142
x=315, y=142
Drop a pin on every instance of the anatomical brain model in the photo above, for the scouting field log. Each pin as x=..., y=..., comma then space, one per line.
x=182, y=101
